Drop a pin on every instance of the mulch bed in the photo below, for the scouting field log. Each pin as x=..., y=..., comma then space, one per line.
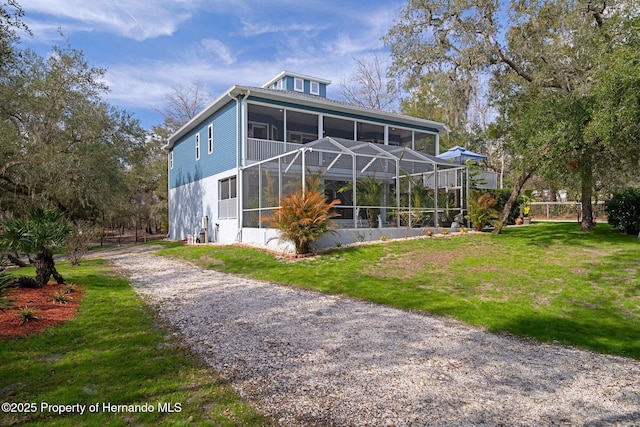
x=49, y=312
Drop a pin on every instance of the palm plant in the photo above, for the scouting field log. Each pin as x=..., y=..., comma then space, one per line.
x=482, y=210
x=302, y=218
x=369, y=192
x=42, y=232
x=5, y=284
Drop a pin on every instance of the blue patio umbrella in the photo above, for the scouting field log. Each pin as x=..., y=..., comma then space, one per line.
x=460, y=155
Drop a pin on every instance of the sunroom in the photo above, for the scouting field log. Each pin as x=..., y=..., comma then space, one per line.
x=384, y=190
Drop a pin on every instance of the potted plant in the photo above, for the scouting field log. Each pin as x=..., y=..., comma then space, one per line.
x=526, y=206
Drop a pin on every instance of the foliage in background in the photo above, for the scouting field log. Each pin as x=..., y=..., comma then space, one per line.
x=40, y=233
x=482, y=210
x=62, y=144
x=369, y=87
x=553, y=77
x=623, y=210
x=302, y=218
x=79, y=240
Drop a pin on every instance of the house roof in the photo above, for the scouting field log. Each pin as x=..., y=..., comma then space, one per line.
x=302, y=99
x=301, y=76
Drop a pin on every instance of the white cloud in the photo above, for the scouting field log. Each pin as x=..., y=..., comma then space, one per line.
x=219, y=49
x=135, y=19
x=252, y=28
x=252, y=45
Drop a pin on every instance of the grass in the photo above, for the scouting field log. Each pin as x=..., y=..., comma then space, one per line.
x=113, y=352
x=550, y=282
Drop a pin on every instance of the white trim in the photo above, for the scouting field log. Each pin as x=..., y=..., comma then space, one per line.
x=198, y=146
x=171, y=159
x=297, y=80
x=210, y=138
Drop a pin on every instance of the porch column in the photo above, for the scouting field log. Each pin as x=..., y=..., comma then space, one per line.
x=354, y=196
x=398, y=193
x=436, y=184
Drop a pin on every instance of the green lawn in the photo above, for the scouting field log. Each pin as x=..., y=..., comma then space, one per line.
x=546, y=281
x=550, y=281
x=112, y=353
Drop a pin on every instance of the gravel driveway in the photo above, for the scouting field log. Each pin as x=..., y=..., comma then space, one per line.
x=304, y=358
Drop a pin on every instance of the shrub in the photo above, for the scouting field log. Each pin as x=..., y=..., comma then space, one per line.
x=303, y=218
x=482, y=210
x=501, y=195
x=623, y=210
x=79, y=240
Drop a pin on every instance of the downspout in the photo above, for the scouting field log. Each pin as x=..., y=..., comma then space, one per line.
x=239, y=176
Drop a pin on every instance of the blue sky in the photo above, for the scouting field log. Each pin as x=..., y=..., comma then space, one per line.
x=147, y=46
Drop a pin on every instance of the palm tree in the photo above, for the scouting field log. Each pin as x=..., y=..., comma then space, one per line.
x=42, y=232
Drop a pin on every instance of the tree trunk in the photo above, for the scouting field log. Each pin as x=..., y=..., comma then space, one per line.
x=586, y=181
x=522, y=179
x=45, y=268
x=16, y=260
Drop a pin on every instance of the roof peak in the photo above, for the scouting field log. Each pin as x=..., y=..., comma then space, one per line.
x=298, y=75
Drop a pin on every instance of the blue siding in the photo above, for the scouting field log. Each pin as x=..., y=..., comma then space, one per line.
x=323, y=90
x=288, y=84
x=186, y=168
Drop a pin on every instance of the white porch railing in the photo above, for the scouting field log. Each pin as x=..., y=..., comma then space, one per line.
x=228, y=208
x=261, y=149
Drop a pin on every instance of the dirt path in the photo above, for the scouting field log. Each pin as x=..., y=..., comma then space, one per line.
x=305, y=358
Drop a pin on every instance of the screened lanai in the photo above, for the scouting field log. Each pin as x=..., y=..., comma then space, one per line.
x=377, y=185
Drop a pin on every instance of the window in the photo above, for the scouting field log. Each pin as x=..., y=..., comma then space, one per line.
x=279, y=85
x=265, y=122
x=258, y=130
x=227, y=188
x=401, y=137
x=338, y=127
x=315, y=88
x=301, y=127
x=171, y=160
x=197, y=146
x=298, y=85
x=210, y=139
x=369, y=132
x=227, y=206
x=425, y=143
